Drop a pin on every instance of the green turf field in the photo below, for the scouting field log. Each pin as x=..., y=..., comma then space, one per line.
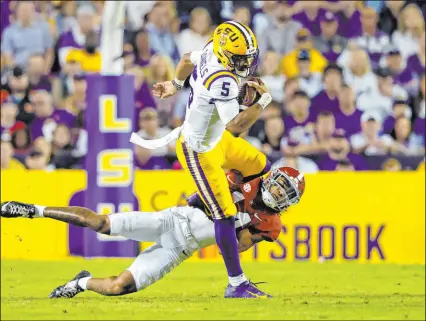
x=195, y=290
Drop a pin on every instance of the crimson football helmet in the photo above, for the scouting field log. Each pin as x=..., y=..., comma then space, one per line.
x=282, y=187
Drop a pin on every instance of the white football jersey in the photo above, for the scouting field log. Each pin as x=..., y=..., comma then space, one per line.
x=212, y=102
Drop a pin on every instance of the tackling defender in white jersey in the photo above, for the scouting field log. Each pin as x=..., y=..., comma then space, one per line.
x=177, y=231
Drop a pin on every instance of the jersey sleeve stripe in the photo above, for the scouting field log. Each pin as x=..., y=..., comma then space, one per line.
x=217, y=75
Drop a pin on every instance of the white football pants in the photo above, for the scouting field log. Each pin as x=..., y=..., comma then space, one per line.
x=177, y=231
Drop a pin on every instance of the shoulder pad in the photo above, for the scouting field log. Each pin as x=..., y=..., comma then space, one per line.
x=222, y=85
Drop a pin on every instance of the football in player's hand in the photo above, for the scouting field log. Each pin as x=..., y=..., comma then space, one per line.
x=247, y=95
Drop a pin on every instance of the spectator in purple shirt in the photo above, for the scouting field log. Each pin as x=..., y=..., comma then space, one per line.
x=399, y=109
x=292, y=159
x=298, y=121
x=310, y=16
x=349, y=116
x=76, y=37
x=149, y=129
x=349, y=20
x=271, y=144
x=416, y=62
x=328, y=41
x=36, y=75
x=46, y=117
x=327, y=98
x=406, y=142
x=319, y=136
x=338, y=154
x=372, y=39
x=143, y=49
x=401, y=75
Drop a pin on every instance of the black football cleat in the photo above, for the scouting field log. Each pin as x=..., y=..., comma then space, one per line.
x=16, y=209
x=70, y=289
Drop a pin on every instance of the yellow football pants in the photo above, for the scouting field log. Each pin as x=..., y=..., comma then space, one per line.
x=207, y=170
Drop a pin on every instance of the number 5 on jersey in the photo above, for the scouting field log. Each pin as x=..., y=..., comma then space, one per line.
x=225, y=88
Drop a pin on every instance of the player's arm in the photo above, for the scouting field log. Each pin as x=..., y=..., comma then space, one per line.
x=245, y=119
x=225, y=99
x=235, y=178
x=183, y=71
x=266, y=230
x=246, y=240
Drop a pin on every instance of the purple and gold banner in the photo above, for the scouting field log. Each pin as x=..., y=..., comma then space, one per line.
x=109, y=164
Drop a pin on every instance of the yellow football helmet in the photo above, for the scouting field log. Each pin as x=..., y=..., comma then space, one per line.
x=235, y=45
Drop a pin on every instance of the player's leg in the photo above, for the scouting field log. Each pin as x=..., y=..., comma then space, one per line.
x=75, y=215
x=149, y=267
x=138, y=226
x=209, y=176
x=244, y=157
x=206, y=170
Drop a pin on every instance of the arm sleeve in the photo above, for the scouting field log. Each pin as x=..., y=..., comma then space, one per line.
x=195, y=57
x=227, y=110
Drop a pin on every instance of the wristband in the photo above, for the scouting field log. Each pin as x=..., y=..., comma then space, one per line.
x=265, y=100
x=178, y=83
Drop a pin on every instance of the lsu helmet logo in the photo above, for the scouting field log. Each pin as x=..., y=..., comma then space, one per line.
x=223, y=40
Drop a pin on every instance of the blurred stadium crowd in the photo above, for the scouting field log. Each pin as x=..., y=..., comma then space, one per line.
x=347, y=79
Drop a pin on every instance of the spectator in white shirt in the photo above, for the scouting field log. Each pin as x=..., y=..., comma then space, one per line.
x=310, y=82
x=25, y=37
x=136, y=12
x=196, y=37
x=270, y=74
x=359, y=75
x=372, y=39
x=280, y=35
x=344, y=58
x=264, y=18
x=411, y=25
x=381, y=100
x=369, y=141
